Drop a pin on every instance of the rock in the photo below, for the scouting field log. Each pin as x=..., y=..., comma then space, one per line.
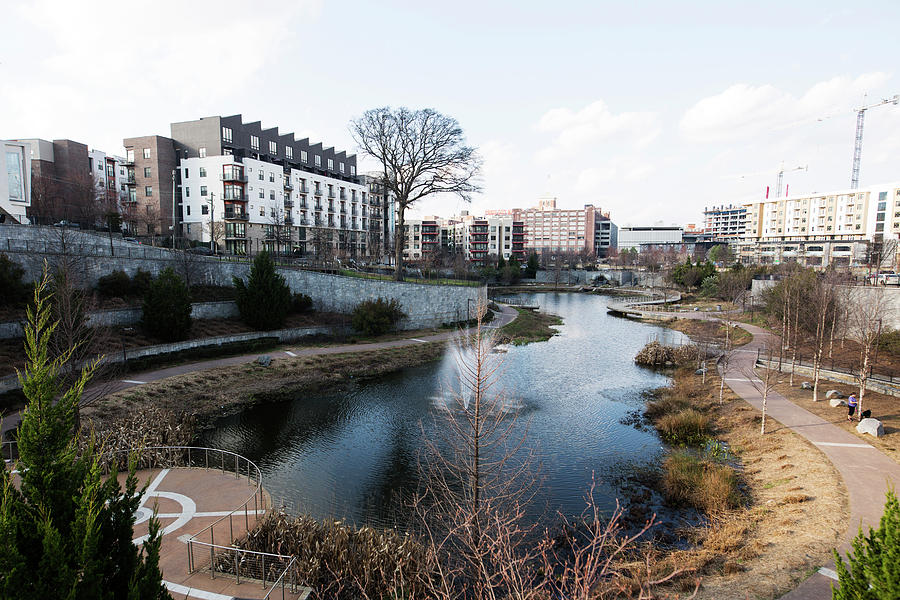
x=871, y=426
x=700, y=372
x=835, y=402
x=806, y=385
x=833, y=394
x=265, y=360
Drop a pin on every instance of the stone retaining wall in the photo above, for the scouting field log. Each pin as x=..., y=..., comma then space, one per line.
x=875, y=385
x=426, y=305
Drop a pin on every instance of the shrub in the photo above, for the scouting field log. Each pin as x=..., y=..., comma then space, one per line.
x=375, y=317
x=167, y=308
x=265, y=300
x=12, y=291
x=874, y=564
x=301, y=303
x=686, y=427
x=115, y=285
x=140, y=283
x=705, y=485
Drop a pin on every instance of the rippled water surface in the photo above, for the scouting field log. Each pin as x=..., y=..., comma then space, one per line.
x=348, y=454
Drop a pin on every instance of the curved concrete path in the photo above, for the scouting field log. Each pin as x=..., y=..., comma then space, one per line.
x=867, y=472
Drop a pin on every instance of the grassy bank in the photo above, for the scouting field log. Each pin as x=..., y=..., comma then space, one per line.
x=775, y=506
x=213, y=393
x=529, y=326
x=708, y=330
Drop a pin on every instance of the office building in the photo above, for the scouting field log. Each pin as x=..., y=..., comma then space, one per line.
x=553, y=230
x=725, y=223
x=643, y=238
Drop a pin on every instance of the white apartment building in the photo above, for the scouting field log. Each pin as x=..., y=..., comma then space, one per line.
x=479, y=239
x=253, y=205
x=725, y=223
x=820, y=229
x=15, y=182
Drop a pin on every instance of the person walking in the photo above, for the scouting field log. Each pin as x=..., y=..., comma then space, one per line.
x=851, y=406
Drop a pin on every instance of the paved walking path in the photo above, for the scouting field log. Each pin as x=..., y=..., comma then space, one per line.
x=506, y=316
x=867, y=472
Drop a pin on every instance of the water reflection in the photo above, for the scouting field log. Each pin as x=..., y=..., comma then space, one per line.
x=349, y=454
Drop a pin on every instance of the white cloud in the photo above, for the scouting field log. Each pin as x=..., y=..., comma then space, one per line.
x=595, y=124
x=745, y=111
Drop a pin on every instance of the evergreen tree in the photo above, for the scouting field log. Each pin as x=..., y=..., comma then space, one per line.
x=500, y=262
x=532, y=267
x=167, y=308
x=65, y=531
x=265, y=300
x=874, y=564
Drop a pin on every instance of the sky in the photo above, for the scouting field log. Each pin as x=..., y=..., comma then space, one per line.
x=650, y=110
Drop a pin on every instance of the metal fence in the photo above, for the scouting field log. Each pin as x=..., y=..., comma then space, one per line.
x=272, y=571
x=886, y=375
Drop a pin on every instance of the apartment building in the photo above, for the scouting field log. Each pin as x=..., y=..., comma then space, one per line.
x=150, y=203
x=15, y=182
x=481, y=240
x=821, y=229
x=549, y=229
x=725, y=223
x=249, y=188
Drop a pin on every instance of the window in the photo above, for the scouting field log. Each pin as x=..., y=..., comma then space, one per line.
x=341, y=166
x=262, y=211
x=303, y=156
x=273, y=148
x=202, y=171
x=186, y=174
x=188, y=210
x=271, y=177
x=203, y=191
x=271, y=194
x=289, y=152
x=882, y=206
x=146, y=152
x=204, y=209
x=188, y=226
x=262, y=175
x=262, y=194
x=331, y=164
x=148, y=190
x=254, y=142
x=146, y=171
x=226, y=135
x=318, y=160
x=879, y=226
x=187, y=192
x=202, y=152
x=129, y=156
x=352, y=170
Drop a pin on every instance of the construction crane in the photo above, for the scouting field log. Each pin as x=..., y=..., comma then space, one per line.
x=781, y=173
x=857, y=148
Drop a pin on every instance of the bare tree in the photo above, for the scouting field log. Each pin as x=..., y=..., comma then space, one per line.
x=727, y=353
x=821, y=303
x=422, y=153
x=867, y=310
x=279, y=231
x=216, y=232
x=764, y=378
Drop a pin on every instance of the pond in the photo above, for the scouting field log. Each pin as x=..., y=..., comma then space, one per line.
x=351, y=454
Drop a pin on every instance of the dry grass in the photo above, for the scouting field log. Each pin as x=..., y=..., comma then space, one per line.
x=883, y=407
x=687, y=427
x=210, y=394
x=709, y=330
x=690, y=480
x=792, y=517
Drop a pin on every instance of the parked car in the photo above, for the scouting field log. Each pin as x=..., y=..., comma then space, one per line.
x=65, y=223
x=131, y=240
x=203, y=250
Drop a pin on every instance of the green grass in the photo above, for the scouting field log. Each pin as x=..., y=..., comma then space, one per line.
x=687, y=427
x=380, y=277
x=529, y=326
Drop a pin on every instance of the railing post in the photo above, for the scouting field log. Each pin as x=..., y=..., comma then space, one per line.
x=237, y=568
x=212, y=561
x=231, y=525
x=264, y=570
x=207, y=459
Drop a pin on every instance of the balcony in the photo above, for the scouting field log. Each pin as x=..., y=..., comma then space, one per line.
x=318, y=192
x=235, y=236
x=234, y=176
x=235, y=215
x=303, y=221
x=303, y=204
x=287, y=184
x=331, y=194
x=288, y=219
x=343, y=211
x=318, y=206
x=288, y=203
x=304, y=189
x=129, y=180
x=234, y=197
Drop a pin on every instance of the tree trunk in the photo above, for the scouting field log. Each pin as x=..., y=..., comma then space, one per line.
x=399, y=242
x=762, y=429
